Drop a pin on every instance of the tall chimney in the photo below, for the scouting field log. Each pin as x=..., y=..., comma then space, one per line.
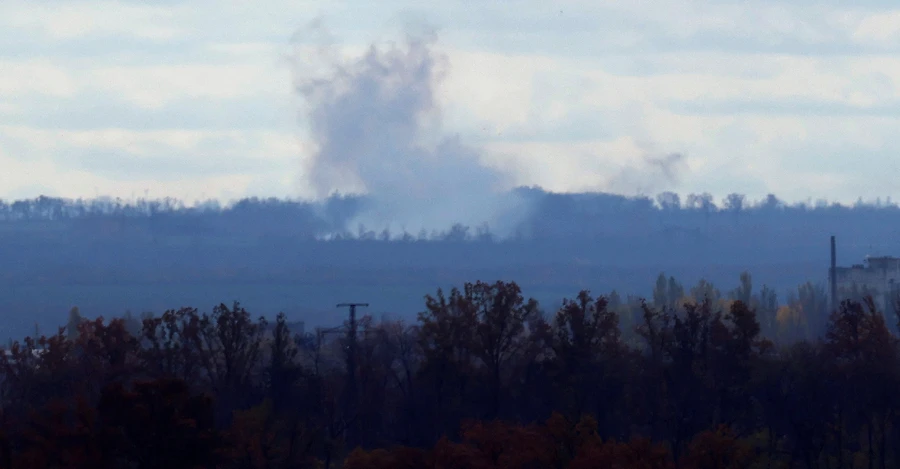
x=833, y=276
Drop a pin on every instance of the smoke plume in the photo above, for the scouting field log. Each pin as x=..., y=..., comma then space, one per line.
x=669, y=166
x=375, y=124
x=649, y=174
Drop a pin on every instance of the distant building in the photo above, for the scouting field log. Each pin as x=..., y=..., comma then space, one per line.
x=878, y=277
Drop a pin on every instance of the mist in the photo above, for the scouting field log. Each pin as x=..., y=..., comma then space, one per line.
x=376, y=129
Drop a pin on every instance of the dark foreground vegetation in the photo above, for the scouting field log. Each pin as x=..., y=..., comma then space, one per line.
x=482, y=379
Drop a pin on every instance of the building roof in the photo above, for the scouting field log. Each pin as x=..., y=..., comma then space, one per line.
x=875, y=263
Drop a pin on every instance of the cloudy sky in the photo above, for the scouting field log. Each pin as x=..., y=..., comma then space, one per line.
x=197, y=99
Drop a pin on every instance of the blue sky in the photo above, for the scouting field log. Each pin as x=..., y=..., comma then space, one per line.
x=196, y=99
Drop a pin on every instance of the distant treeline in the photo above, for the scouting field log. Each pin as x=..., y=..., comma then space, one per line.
x=481, y=379
x=549, y=215
x=567, y=229
x=590, y=240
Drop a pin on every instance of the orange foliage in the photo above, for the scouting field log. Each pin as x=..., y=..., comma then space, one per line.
x=397, y=458
x=498, y=445
x=718, y=449
x=502, y=445
x=447, y=455
x=639, y=453
x=62, y=434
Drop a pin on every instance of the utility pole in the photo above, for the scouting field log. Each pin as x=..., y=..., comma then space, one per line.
x=350, y=393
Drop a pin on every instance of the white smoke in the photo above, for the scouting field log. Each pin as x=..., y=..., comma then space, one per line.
x=648, y=174
x=376, y=128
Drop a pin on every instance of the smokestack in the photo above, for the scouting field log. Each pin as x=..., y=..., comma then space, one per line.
x=833, y=276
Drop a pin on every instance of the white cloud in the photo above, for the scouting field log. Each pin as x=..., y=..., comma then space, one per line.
x=878, y=27
x=156, y=86
x=78, y=19
x=39, y=76
x=8, y=108
x=120, y=161
x=493, y=88
x=578, y=166
x=562, y=94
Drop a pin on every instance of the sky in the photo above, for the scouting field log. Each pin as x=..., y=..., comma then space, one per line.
x=202, y=99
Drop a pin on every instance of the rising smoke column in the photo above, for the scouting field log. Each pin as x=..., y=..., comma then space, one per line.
x=375, y=124
x=648, y=173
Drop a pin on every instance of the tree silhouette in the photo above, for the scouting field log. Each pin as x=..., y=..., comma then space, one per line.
x=483, y=379
x=158, y=424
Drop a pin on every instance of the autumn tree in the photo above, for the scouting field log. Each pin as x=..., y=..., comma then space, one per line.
x=667, y=293
x=171, y=345
x=283, y=370
x=651, y=402
x=229, y=343
x=501, y=332
x=865, y=362
x=446, y=337
x=158, y=424
x=718, y=449
x=766, y=302
x=744, y=292
x=690, y=377
x=737, y=348
x=814, y=303
x=588, y=356
x=801, y=405
x=704, y=290
x=107, y=351
x=402, y=359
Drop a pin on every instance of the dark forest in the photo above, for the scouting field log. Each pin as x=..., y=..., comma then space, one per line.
x=482, y=379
